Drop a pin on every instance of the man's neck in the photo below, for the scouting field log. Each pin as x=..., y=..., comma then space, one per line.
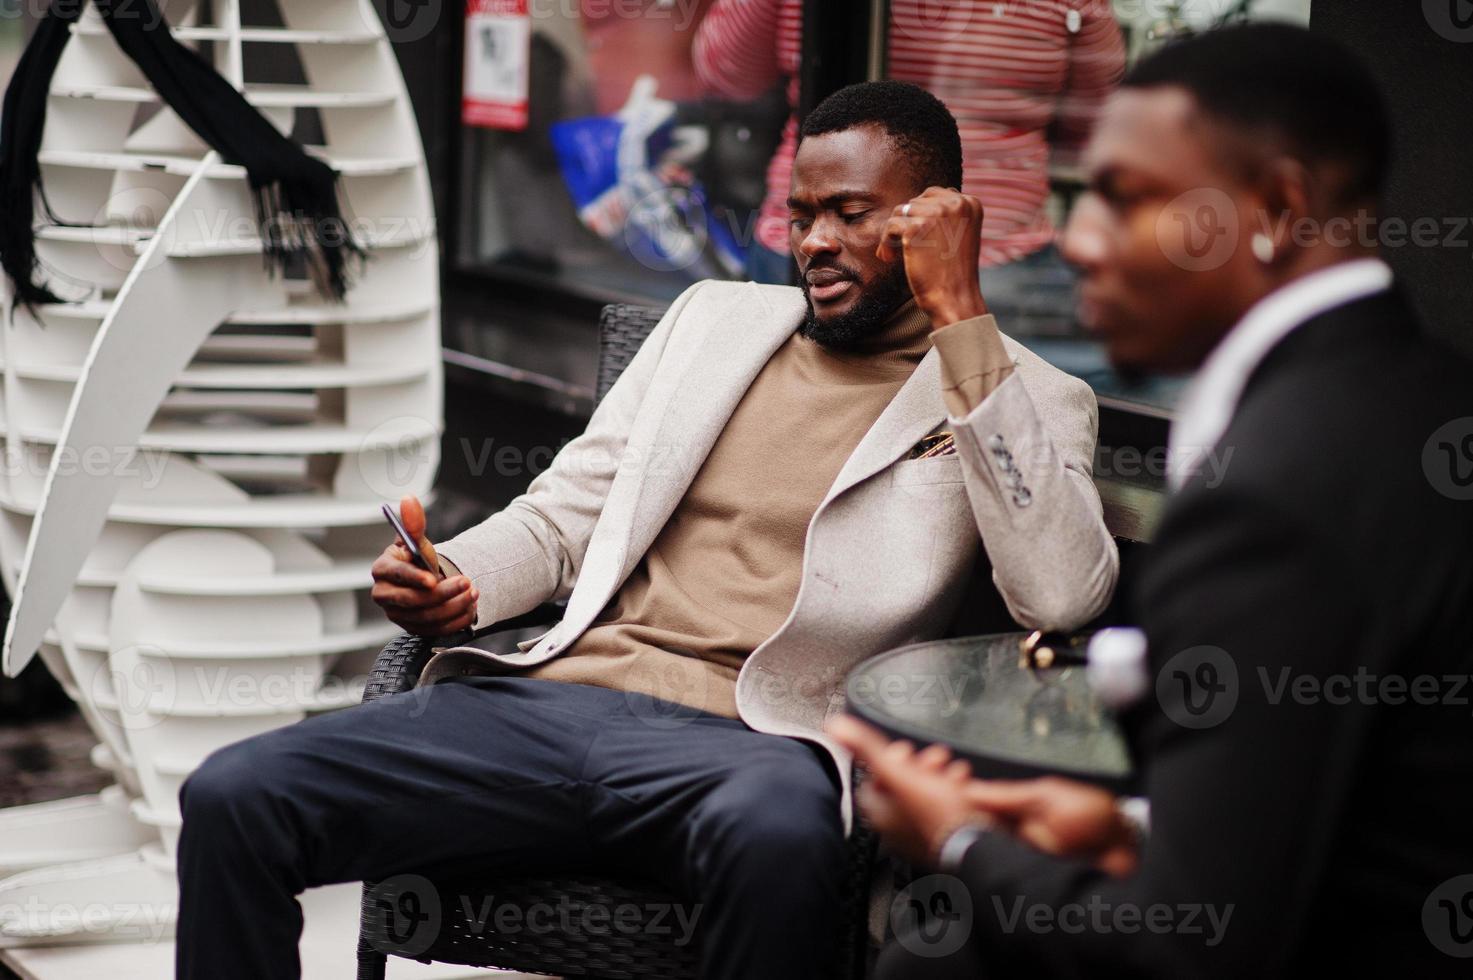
x=1304, y=263
x=1318, y=258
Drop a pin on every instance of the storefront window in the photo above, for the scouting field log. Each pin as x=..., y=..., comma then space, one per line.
x=631, y=175
x=12, y=35
x=658, y=140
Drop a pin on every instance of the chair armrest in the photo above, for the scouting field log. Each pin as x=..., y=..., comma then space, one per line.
x=855, y=954
x=403, y=659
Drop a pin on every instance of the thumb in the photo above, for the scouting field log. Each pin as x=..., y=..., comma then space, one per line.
x=865, y=741
x=1118, y=861
x=1040, y=836
x=412, y=513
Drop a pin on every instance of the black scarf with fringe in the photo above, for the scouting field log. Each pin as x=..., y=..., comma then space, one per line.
x=296, y=195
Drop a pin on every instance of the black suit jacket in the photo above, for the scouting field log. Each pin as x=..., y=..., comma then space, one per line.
x=1324, y=812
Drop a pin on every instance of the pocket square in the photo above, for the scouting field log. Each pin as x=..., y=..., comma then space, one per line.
x=939, y=444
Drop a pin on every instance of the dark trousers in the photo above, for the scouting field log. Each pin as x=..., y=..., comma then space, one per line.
x=482, y=774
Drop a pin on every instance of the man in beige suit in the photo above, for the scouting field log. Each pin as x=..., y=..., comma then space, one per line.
x=782, y=483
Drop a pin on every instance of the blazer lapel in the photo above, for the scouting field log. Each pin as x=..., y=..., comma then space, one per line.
x=914, y=411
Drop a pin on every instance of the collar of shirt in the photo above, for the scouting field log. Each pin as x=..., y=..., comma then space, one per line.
x=1209, y=401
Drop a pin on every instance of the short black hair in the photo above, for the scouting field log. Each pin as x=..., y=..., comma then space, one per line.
x=1306, y=91
x=919, y=123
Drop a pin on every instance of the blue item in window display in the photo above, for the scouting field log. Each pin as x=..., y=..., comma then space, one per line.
x=630, y=178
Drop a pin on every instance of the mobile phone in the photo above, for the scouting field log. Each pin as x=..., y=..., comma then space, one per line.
x=415, y=554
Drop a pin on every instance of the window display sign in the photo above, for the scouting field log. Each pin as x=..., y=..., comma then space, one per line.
x=498, y=35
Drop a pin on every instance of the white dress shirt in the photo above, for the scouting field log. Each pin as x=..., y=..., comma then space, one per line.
x=1210, y=400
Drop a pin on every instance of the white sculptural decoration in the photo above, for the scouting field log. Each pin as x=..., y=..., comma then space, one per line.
x=196, y=451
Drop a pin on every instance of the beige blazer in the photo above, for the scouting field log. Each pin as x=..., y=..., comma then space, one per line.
x=890, y=548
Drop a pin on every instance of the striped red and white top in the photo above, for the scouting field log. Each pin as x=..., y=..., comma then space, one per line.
x=1007, y=69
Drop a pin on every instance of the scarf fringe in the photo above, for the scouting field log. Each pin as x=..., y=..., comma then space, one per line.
x=301, y=221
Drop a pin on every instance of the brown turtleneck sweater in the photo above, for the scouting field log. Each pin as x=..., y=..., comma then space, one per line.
x=723, y=574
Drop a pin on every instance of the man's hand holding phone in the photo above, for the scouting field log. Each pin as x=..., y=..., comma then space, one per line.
x=416, y=598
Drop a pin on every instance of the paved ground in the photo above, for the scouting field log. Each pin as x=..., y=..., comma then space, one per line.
x=47, y=760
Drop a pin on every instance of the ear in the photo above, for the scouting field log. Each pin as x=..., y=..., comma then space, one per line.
x=1288, y=194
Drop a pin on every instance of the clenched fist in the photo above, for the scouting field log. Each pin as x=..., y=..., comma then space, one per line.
x=418, y=601
x=939, y=235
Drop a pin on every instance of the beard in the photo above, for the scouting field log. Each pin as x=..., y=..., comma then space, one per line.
x=847, y=331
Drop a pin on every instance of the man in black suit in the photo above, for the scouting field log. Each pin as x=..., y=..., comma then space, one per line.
x=1306, y=747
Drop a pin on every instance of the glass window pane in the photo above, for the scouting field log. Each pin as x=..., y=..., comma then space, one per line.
x=12, y=36
x=639, y=165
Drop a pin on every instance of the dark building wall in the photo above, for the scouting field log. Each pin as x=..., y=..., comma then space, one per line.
x=426, y=37
x=1423, y=56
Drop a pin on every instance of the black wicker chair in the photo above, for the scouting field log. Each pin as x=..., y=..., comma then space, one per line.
x=466, y=923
